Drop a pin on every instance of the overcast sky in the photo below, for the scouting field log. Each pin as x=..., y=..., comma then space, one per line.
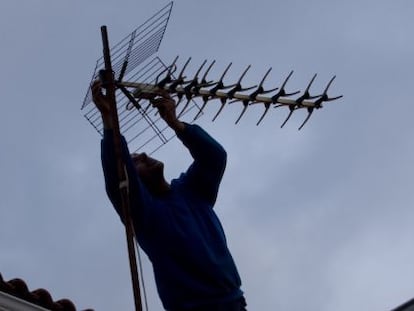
x=318, y=219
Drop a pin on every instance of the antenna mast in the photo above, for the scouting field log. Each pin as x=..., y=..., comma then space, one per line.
x=108, y=82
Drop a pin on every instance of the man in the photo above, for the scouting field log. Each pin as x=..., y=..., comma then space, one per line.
x=175, y=223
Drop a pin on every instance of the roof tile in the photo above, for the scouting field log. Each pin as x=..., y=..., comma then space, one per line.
x=41, y=297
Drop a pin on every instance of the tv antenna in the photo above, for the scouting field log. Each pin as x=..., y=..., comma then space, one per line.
x=138, y=73
x=131, y=76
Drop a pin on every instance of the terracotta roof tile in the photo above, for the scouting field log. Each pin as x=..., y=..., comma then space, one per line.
x=41, y=297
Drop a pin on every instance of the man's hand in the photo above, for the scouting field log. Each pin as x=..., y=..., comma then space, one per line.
x=102, y=102
x=166, y=108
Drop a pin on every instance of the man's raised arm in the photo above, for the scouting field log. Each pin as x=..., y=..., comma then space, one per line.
x=139, y=196
x=206, y=172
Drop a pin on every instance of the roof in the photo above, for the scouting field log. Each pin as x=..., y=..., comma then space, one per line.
x=408, y=306
x=40, y=297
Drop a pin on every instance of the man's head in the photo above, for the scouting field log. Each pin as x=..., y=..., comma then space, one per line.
x=151, y=172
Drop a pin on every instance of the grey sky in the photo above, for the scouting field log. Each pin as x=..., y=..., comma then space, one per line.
x=318, y=219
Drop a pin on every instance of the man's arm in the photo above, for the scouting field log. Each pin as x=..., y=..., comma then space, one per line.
x=206, y=172
x=139, y=197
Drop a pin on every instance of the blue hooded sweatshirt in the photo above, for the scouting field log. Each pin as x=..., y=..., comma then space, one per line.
x=179, y=231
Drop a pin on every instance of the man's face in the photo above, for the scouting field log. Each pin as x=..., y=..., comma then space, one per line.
x=149, y=169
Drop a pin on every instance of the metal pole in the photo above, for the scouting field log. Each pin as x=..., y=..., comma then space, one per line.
x=109, y=84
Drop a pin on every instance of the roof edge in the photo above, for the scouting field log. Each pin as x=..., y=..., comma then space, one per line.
x=14, y=303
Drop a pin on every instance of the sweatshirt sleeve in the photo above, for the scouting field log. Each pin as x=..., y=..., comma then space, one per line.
x=205, y=173
x=139, y=198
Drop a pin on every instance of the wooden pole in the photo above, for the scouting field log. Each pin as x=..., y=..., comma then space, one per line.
x=109, y=85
